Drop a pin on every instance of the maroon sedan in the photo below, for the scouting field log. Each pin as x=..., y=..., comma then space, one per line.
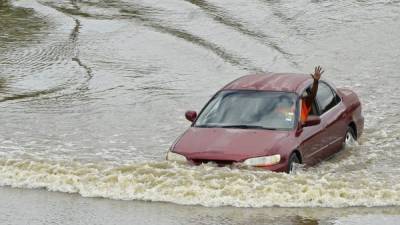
x=255, y=120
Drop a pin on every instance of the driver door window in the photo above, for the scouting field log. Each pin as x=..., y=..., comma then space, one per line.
x=314, y=108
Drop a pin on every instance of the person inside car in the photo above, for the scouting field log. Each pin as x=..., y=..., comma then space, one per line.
x=285, y=108
x=306, y=101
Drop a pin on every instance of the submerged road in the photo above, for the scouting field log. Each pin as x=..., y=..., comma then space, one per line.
x=92, y=94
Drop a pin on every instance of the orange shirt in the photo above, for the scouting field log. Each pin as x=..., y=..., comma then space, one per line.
x=305, y=110
x=307, y=101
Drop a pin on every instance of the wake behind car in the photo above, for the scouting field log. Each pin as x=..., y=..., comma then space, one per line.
x=255, y=120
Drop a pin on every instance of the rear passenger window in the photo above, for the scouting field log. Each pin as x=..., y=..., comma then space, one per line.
x=326, y=98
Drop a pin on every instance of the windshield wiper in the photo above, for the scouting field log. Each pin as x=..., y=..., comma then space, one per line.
x=207, y=126
x=237, y=126
x=248, y=127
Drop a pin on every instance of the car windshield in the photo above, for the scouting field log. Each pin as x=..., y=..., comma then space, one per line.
x=249, y=109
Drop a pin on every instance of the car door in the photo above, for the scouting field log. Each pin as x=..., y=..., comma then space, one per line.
x=311, y=137
x=332, y=113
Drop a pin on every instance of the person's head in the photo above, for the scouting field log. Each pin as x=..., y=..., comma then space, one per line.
x=284, y=103
x=285, y=100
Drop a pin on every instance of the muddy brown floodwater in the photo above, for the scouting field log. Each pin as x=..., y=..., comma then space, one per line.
x=92, y=94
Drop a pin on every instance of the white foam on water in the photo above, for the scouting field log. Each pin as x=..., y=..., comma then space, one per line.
x=205, y=185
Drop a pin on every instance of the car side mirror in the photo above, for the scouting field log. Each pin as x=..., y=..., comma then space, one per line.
x=312, y=121
x=191, y=115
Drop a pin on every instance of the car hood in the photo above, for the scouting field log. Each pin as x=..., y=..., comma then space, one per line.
x=227, y=144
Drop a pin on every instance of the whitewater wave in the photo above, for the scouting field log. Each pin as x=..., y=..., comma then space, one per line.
x=206, y=185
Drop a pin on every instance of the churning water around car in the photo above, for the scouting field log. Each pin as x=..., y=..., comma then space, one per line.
x=93, y=93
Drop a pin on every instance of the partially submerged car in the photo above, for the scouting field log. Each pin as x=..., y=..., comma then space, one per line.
x=255, y=120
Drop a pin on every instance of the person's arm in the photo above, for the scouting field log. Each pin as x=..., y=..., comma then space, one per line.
x=316, y=76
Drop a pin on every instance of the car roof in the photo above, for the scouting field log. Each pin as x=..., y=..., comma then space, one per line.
x=288, y=82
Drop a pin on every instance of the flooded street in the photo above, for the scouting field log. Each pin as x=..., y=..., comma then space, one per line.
x=93, y=93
